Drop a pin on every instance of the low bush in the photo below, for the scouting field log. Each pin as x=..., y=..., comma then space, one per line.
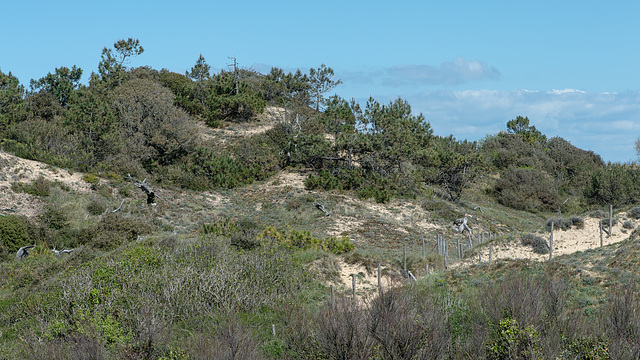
x=112, y=231
x=526, y=189
x=95, y=208
x=40, y=187
x=14, y=233
x=538, y=244
x=565, y=224
x=301, y=239
x=634, y=213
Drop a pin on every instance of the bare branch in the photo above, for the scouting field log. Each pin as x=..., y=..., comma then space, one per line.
x=321, y=207
x=116, y=210
x=151, y=196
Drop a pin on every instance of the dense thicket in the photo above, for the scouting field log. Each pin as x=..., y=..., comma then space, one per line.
x=142, y=121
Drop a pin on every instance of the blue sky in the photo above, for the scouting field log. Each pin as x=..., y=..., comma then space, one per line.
x=468, y=66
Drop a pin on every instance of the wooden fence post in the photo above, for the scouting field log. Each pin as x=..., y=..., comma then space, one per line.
x=426, y=269
x=404, y=258
x=610, y=220
x=551, y=243
x=423, y=248
x=379, y=281
x=333, y=297
x=601, y=243
x=490, y=251
x=353, y=284
x=446, y=252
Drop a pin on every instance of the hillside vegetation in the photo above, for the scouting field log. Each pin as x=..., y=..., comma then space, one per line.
x=268, y=191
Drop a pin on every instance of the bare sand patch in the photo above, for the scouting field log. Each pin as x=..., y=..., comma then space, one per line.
x=17, y=170
x=564, y=242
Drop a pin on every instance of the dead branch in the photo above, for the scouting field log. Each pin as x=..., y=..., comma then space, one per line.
x=116, y=210
x=9, y=210
x=142, y=185
x=321, y=207
x=460, y=225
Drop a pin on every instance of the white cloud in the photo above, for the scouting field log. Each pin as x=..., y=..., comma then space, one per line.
x=454, y=72
x=566, y=91
x=607, y=123
x=458, y=71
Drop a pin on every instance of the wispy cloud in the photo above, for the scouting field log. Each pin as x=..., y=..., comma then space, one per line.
x=607, y=123
x=458, y=71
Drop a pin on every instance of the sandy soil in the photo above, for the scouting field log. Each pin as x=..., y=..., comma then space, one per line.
x=366, y=284
x=564, y=242
x=265, y=122
x=15, y=170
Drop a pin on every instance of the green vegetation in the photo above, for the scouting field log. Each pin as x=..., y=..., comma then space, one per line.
x=256, y=211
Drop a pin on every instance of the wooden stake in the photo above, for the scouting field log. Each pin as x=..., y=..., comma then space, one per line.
x=601, y=243
x=379, y=281
x=423, y=248
x=610, y=220
x=353, y=283
x=404, y=258
x=551, y=243
x=490, y=251
x=333, y=297
x=426, y=269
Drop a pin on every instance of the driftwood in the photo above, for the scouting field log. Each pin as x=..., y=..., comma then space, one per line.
x=460, y=225
x=58, y=252
x=9, y=210
x=142, y=185
x=321, y=207
x=118, y=209
x=23, y=252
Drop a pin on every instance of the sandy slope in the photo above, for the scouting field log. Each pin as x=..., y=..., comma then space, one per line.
x=14, y=170
x=564, y=242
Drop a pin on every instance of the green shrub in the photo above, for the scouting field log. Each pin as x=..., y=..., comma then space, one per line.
x=526, y=189
x=95, y=208
x=40, y=187
x=222, y=227
x=14, y=233
x=113, y=230
x=605, y=222
x=301, y=239
x=592, y=348
x=565, y=224
x=510, y=341
x=614, y=184
x=628, y=225
x=634, y=213
x=91, y=179
x=246, y=237
x=221, y=169
x=538, y=244
x=381, y=195
x=54, y=218
x=440, y=210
